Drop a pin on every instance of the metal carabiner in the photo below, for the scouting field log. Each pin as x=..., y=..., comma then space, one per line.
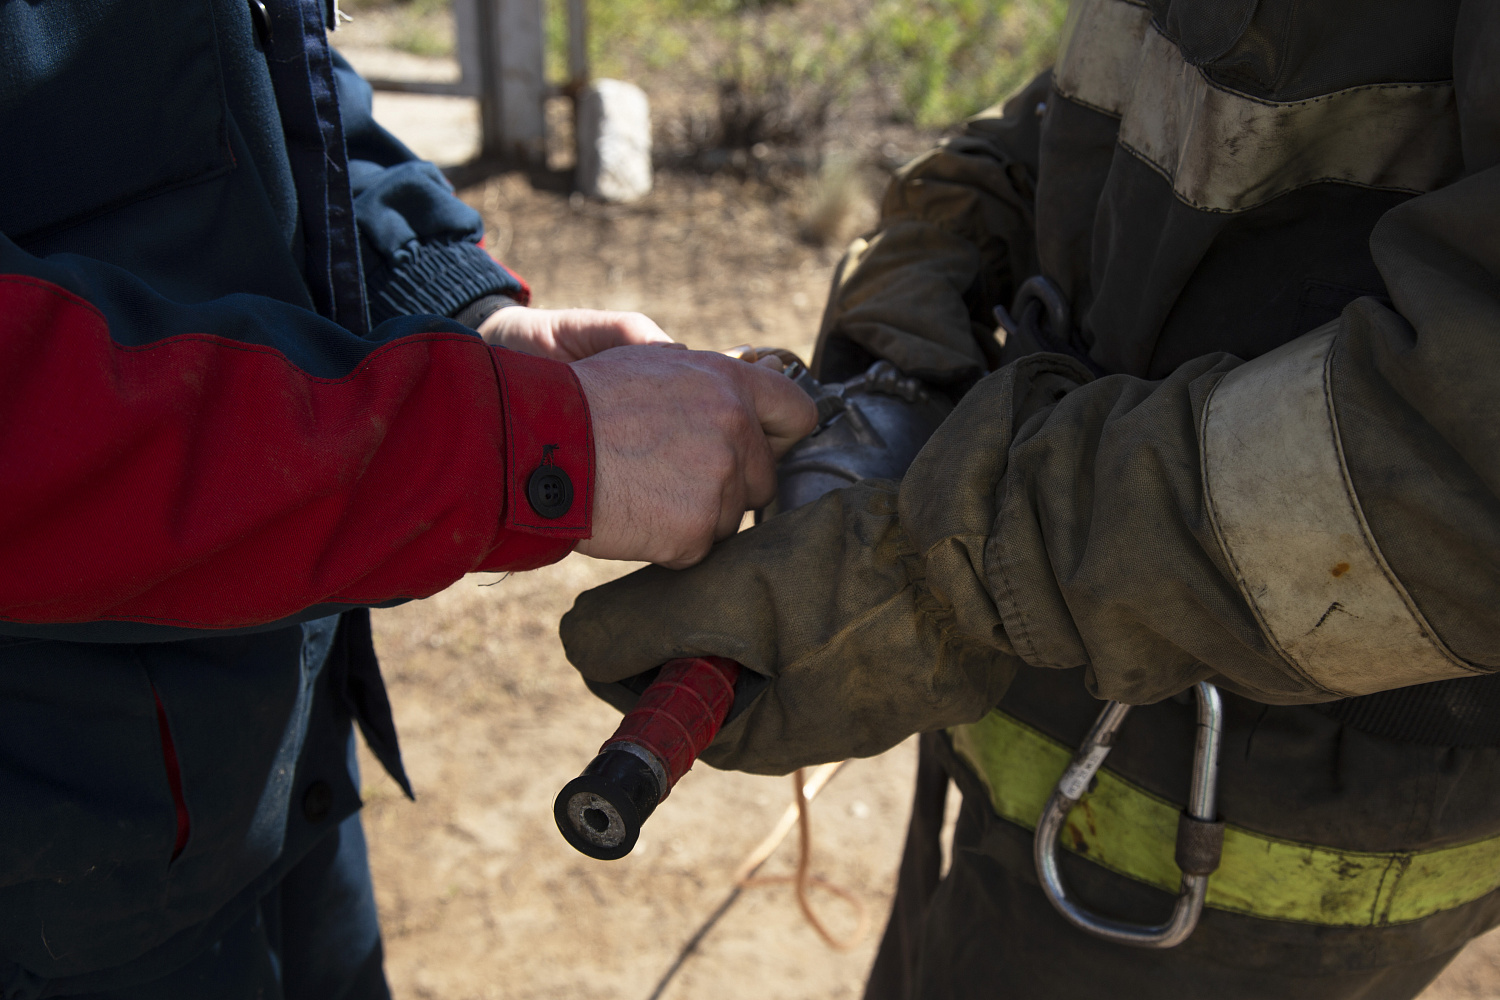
x=1200, y=837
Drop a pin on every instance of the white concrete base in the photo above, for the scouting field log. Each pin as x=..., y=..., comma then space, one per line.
x=614, y=141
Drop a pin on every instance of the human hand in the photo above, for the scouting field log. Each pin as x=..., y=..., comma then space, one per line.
x=684, y=443
x=568, y=334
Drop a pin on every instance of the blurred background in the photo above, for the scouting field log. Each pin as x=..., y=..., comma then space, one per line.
x=775, y=126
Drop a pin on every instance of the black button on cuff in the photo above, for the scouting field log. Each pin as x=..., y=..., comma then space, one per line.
x=317, y=801
x=550, y=492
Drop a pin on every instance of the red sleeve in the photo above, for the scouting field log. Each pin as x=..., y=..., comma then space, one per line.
x=202, y=481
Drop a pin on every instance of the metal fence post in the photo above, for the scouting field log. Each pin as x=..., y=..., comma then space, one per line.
x=468, y=45
x=513, y=86
x=501, y=47
x=578, y=45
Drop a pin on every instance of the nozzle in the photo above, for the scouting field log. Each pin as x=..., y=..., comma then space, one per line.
x=601, y=811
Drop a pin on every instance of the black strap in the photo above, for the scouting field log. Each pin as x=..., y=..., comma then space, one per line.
x=1041, y=320
x=1459, y=713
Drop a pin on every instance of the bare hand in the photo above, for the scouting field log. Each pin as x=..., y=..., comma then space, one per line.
x=568, y=334
x=684, y=443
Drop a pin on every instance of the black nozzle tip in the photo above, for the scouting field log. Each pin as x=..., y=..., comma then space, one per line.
x=601, y=811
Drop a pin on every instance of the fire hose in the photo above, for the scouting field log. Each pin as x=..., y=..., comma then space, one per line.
x=601, y=811
x=869, y=426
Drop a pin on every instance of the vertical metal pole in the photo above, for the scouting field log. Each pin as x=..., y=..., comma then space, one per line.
x=578, y=44
x=468, y=40
x=513, y=126
x=578, y=65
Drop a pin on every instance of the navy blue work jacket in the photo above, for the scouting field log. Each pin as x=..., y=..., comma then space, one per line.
x=154, y=779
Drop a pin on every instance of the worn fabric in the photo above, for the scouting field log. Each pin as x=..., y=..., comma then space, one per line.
x=1360, y=771
x=1293, y=774
x=1329, y=294
x=860, y=600
x=1080, y=534
x=955, y=238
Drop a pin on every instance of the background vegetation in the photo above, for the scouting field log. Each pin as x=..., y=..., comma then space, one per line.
x=928, y=63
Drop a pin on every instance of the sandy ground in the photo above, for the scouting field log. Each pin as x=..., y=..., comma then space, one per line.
x=481, y=898
x=479, y=895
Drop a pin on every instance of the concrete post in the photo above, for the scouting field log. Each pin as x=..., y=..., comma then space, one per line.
x=614, y=141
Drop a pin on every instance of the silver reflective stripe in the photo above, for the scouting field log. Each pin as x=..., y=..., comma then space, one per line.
x=1101, y=53
x=1290, y=525
x=1224, y=151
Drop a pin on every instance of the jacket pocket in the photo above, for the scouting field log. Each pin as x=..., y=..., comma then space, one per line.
x=104, y=102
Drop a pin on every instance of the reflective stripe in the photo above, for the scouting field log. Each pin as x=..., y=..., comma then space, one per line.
x=1101, y=53
x=1127, y=829
x=1291, y=528
x=1224, y=151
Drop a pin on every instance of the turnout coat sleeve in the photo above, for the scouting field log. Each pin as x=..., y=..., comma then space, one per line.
x=230, y=463
x=955, y=237
x=1320, y=522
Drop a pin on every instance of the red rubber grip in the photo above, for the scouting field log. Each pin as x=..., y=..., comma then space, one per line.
x=681, y=712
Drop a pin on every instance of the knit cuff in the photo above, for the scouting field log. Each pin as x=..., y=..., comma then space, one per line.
x=482, y=308
x=439, y=279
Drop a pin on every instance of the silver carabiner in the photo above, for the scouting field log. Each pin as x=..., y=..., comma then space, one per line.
x=1200, y=837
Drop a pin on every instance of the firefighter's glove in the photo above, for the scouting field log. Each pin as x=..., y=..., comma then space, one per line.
x=868, y=609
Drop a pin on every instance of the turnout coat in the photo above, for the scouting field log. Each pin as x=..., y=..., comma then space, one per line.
x=1242, y=429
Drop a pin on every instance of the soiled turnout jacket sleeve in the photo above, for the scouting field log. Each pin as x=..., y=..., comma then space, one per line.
x=1320, y=522
x=230, y=463
x=955, y=236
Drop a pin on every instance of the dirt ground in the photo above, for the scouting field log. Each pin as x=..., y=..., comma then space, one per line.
x=479, y=895
x=481, y=898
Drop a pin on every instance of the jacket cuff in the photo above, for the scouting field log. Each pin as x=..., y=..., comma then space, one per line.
x=439, y=279
x=475, y=313
x=549, y=462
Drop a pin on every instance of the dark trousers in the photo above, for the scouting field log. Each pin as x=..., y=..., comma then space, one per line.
x=985, y=931
x=313, y=937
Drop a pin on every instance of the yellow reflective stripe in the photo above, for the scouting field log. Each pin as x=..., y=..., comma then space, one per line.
x=1129, y=830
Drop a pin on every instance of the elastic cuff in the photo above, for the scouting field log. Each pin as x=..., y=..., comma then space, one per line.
x=549, y=459
x=439, y=279
x=482, y=308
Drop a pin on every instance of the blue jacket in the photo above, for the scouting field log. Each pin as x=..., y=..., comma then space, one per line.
x=230, y=409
